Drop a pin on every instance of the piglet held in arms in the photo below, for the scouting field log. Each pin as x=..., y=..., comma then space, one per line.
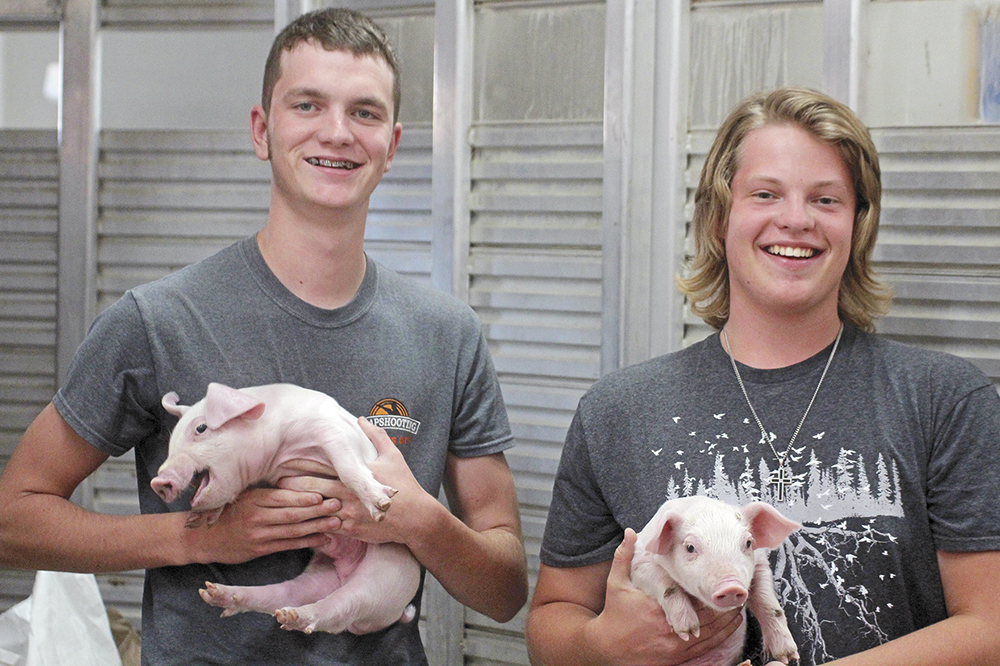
x=698, y=549
x=236, y=438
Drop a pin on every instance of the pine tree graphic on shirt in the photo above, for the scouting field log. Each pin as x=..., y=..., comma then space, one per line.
x=838, y=496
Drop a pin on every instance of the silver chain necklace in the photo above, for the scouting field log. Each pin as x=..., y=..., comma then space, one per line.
x=781, y=478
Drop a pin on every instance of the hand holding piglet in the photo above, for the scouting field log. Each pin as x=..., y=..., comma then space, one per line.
x=351, y=517
x=701, y=551
x=259, y=522
x=631, y=628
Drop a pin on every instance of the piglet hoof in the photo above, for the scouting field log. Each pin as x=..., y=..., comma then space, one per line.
x=220, y=596
x=787, y=658
x=194, y=519
x=746, y=663
x=409, y=613
x=685, y=624
x=290, y=620
x=781, y=646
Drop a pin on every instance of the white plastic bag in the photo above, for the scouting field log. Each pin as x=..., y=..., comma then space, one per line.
x=62, y=622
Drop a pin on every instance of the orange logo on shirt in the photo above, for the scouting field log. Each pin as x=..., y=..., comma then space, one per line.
x=391, y=415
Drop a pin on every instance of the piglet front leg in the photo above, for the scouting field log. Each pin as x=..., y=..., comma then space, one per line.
x=763, y=603
x=677, y=606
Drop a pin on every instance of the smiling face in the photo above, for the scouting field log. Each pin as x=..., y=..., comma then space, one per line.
x=788, y=237
x=330, y=134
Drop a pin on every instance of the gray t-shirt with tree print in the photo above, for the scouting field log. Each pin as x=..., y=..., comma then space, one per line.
x=896, y=460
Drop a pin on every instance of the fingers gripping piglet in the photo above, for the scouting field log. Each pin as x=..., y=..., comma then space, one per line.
x=701, y=550
x=236, y=438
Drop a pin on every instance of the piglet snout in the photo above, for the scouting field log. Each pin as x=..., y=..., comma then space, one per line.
x=167, y=488
x=730, y=594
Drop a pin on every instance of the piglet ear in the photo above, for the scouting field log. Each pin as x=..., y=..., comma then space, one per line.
x=664, y=541
x=767, y=526
x=169, y=403
x=223, y=404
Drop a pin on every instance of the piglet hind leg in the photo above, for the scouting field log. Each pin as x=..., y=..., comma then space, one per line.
x=346, y=609
x=763, y=603
x=317, y=581
x=376, y=595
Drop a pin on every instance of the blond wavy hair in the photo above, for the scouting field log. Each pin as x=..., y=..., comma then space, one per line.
x=863, y=298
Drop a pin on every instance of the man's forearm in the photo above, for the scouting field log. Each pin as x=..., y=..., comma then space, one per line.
x=957, y=641
x=48, y=532
x=485, y=571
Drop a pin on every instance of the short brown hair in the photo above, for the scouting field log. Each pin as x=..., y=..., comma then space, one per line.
x=334, y=29
x=863, y=298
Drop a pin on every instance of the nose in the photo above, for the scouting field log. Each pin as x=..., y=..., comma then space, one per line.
x=336, y=129
x=796, y=216
x=732, y=595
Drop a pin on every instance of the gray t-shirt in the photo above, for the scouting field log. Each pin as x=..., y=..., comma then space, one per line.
x=896, y=461
x=413, y=359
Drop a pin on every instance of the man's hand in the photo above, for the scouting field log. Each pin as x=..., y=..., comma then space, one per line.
x=352, y=516
x=263, y=521
x=631, y=618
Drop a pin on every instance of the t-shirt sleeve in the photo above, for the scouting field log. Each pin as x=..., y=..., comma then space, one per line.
x=964, y=470
x=580, y=529
x=109, y=396
x=480, y=425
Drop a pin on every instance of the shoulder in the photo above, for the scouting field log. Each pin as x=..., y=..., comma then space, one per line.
x=665, y=378
x=919, y=365
x=210, y=274
x=410, y=299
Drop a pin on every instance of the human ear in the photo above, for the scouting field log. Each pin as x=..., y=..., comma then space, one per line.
x=397, y=133
x=258, y=132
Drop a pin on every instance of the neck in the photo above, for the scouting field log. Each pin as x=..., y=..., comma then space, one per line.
x=778, y=343
x=321, y=262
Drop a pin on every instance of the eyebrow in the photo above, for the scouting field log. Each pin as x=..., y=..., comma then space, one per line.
x=822, y=183
x=303, y=92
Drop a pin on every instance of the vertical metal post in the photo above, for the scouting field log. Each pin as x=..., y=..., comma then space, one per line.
x=79, y=120
x=645, y=122
x=616, y=180
x=444, y=630
x=451, y=156
x=842, y=50
x=669, y=167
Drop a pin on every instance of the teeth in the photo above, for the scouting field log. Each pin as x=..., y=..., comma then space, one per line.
x=315, y=161
x=796, y=252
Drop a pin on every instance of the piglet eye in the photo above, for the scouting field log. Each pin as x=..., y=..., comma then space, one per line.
x=690, y=548
x=201, y=428
x=749, y=544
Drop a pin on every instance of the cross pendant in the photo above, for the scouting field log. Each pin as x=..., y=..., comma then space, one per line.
x=780, y=480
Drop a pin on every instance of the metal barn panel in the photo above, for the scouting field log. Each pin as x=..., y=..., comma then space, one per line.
x=535, y=281
x=29, y=176
x=939, y=238
x=29, y=12
x=939, y=241
x=199, y=14
x=167, y=199
x=29, y=180
x=400, y=230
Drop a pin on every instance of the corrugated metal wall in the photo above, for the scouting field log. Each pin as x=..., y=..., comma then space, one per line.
x=29, y=184
x=535, y=280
